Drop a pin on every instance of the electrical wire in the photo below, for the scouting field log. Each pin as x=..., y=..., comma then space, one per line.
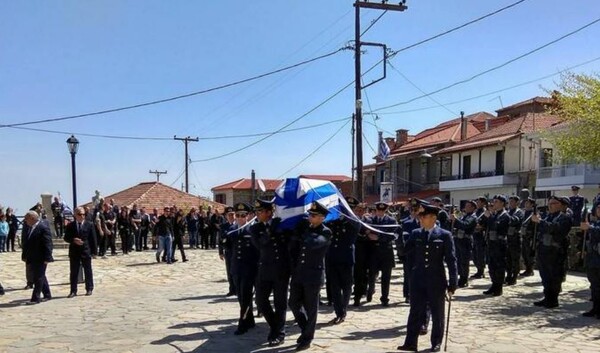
x=278, y=130
x=235, y=83
x=373, y=22
x=506, y=63
x=314, y=151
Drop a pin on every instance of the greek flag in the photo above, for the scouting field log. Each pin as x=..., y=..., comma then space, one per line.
x=384, y=149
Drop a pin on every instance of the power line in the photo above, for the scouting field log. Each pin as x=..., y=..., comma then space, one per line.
x=496, y=91
x=180, y=175
x=170, y=138
x=315, y=150
x=493, y=68
x=113, y=110
x=373, y=22
x=278, y=130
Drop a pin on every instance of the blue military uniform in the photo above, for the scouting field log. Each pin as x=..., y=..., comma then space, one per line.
x=592, y=260
x=576, y=204
x=527, y=247
x=339, y=263
x=362, y=259
x=463, y=241
x=273, y=272
x=513, y=258
x=225, y=248
x=480, y=241
x=307, y=249
x=244, y=266
x=382, y=255
x=553, y=232
x=426, y=252
x=408, y=225
x=497, y=232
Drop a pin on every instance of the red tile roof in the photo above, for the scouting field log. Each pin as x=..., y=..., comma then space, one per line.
x=340, y=178
x=540, y=100
x=246, y=184
x=157, y=195
x=512, y=128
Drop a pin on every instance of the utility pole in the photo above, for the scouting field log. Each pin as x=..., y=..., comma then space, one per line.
x=158, y=173
x=253, y=182
x=358, y=4
x=186, y=140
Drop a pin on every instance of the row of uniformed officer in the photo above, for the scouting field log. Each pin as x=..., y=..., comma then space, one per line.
x=226, y=247
x=464, y=227
x=497, y=221
x=592, y=261
x=513, y=258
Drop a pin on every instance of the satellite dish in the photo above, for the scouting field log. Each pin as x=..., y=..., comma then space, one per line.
x=261, y=185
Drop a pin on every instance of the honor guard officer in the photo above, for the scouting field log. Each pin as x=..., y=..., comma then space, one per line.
x=513, y=258
x=480, y=238
x=273, y=270
x=443, y=217
x=408, y=225
x=463, y=240
x=553, y=234
x=244, y=265
x=528, y=229
x=576, y=203
x=427, y=249
x=362, y=255
x=308, y=248
x=339, y=262
x=497, y=222
x=226, y=247
x=592, y=261
x=382, y=256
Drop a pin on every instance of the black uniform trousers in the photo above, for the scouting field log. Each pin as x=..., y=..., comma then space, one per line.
x=204, y=238
x=479, y=249
x=275, y=318
x=177, y=243
x=360, y=269
x=339, y=277
x=74, y=267
x=497, y=263
x=527, y=251
x=593, y=275
x=406, y=281
x=124, y=233
x=423, y=294
x=244, y=284
x=304, y=303
x=550, y=265
x=513, y=257
x=144, y=237
x=384, y=262
x=40, y=282
x=228, y=255
x=464, y=252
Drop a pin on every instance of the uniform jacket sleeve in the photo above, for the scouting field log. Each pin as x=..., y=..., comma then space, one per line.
x=450, y=258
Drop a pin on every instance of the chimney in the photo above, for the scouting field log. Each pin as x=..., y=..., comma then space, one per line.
x=487, y=124
x=401, y=137
x=463, y=127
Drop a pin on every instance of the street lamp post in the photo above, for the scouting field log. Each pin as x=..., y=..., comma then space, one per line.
x=73, y=145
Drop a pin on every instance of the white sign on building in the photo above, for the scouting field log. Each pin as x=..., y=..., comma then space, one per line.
x=387, y=192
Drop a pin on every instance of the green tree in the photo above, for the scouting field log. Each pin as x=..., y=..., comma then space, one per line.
x=577, y=102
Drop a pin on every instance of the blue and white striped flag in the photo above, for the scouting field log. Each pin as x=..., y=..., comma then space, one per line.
x=384, y=149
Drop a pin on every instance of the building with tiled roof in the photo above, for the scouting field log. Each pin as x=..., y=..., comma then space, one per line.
x=157, y=195
x=240, y=190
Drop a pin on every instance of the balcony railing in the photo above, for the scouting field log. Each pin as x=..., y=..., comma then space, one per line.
x=568, y=170
x=472, y=175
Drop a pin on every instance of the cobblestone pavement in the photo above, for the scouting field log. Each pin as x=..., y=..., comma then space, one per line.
x=142, y=306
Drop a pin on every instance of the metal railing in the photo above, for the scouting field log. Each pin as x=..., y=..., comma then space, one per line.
x=567, y=170
x=472, y=175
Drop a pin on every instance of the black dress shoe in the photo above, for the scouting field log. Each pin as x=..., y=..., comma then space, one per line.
x=369, y=298
x=33, y=302
x=477, y=276
x=463, y=285
x=28, y=287
x=497, y=293
x=540, y=302
x=278, y=341
x=590, y=313
x=356, y=302
x=526, y=274
x=302, y=346
x=436, y=348
x=385, y=303
x=489, y=291
x=88, y=293
x=72, y=295
x=185, y=260
x=551, y=305
x=407, y=348
x=423, y=331
x=240, y=331
x=229, y=294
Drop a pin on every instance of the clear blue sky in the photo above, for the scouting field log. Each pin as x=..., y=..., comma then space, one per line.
x=68, y=57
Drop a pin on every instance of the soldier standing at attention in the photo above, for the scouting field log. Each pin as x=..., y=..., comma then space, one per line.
x=273, y=270
x=427, y=249
x=527, y=232
x=479, y=239
x=443, y=218
x=339, y=262
x=553, y=234
x=463, y=241
x=592, y=261
x=244, y=265
x=361, y=262
x=308, y=248
x=513, y=258
x=576, y=203
x=226, y=248
x=497, y=222
x=382, y=256
x=409, y=224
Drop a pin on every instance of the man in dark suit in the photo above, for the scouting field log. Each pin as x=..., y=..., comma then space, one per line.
x=37, y=253
x=225, y=247
x=273, y=269
x=427, y=249
x=79, y=234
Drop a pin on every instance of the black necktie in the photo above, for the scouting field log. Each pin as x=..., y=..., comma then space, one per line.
x=78, y=228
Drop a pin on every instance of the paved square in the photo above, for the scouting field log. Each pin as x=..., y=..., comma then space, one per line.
x=142, y=306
